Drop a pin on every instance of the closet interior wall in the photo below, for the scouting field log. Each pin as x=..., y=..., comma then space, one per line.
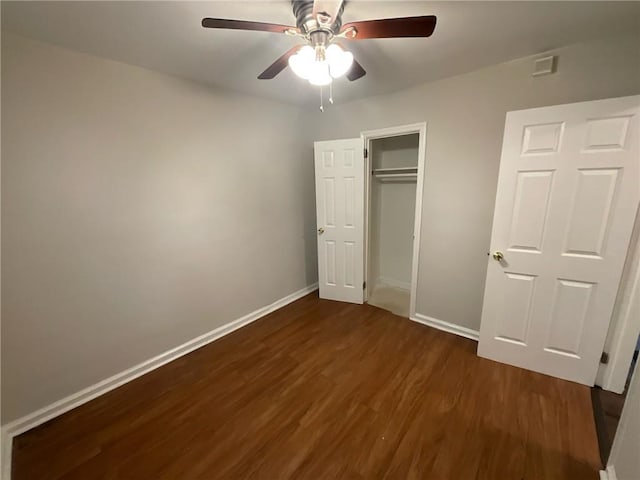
x=394, y=163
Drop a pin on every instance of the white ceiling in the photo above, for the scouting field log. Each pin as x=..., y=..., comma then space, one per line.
x=167, y=36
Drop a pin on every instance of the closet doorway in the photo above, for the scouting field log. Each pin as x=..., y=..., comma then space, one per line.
x=394, y=160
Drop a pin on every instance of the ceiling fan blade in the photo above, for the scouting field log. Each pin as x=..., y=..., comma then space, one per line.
x=327, y=8
x=392, y=28
x=245, y=25
x=356, y=71
x=279, y=65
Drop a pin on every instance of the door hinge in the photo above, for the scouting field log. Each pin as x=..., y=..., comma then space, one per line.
x=366, y=153
x=604, y=358
x=364, y=285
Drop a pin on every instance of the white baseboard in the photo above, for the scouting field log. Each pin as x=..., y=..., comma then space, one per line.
x=446, y=326
x=390, y=282
x=608, y=474
x=38, y=417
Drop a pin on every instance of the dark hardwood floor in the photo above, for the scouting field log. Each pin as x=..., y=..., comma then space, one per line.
x=324, y=390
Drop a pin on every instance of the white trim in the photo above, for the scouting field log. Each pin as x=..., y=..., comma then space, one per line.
x=7, y=442
x=625, y=324
x=390, y=282
x=608, y=474
x=446, y=326
x=38, y=417
x=620, y=450
x=368, y=136
x=367, y=207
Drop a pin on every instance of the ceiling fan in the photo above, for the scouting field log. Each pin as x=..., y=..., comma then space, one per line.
x=319, y=22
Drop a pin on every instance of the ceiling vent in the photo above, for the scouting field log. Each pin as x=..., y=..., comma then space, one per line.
x=544, y=65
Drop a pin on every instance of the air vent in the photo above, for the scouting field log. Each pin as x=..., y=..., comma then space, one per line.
x=544, y=66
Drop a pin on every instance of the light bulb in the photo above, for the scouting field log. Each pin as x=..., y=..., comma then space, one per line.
x=301, y=63
x=319, y=73
x=339, y=61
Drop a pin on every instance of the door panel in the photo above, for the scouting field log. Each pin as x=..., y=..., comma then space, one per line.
x=542, y=139
x=340, y=219
x=590, y=217
x=515, y=312
x=568, y=191
x=530, y=210
x=569, y=312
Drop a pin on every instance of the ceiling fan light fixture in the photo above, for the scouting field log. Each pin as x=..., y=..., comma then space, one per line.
x=319, y=73
x=319, y=65
x=319, y=22
x=302, y=62
x=340, y=61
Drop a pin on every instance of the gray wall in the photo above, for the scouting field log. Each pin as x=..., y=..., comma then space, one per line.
x=138, y=212
x=465, y=120
x=196, y=206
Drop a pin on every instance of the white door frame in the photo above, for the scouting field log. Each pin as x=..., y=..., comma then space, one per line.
x=625, y=322
x=368, y=136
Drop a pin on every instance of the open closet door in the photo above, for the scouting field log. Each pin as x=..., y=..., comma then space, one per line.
x=568, y=191
x=340, y=218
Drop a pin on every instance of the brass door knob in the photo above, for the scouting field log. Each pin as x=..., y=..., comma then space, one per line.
x=320, y=231
x=498, y=256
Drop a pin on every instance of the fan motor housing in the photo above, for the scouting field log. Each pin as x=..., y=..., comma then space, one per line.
x=307, y=23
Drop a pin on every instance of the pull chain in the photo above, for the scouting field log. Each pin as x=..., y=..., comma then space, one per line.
x=321, y=104
x=331, y=93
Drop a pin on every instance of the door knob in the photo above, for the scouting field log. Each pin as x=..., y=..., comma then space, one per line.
x=498, y=256
x=320, y=231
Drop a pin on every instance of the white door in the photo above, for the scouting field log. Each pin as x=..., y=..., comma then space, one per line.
x=340, y=218
x=568, y=190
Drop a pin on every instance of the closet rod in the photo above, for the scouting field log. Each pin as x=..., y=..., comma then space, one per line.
x=395, y=171
x=400, y=178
